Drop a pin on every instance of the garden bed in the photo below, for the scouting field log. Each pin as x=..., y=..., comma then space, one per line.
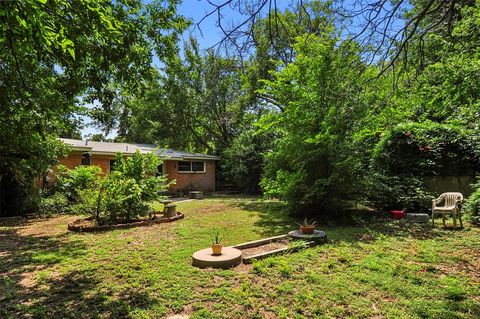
x=87, y=224
x=272, y=246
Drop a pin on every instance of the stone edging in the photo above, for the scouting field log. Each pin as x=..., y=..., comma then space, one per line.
x=80, y=229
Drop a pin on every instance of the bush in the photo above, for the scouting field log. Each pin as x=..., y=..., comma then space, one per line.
x=81, y=177
x=53, y=204
x=426, y=149
x=124, y=195
x=242, y=161
x=398, y=192
x=472, y=207
x=410, y=151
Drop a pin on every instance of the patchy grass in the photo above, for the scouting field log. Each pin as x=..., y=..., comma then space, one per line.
x=392, y=270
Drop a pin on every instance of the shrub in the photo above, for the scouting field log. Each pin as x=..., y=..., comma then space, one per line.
x=398, y=192
x=70, y=181
x=426, y=149
x=53, y=204
x=243, y=162
x=125, y=194
x=407, y=153
x=472, y=207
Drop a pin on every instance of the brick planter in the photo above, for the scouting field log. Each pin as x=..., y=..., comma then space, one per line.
x=74, y=226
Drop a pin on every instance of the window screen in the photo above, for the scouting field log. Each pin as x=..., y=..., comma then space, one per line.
x=187, y=166
x=184, y=166
x=198, y=166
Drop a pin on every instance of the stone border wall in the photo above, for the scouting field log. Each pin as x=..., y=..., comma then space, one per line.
x=80, y=229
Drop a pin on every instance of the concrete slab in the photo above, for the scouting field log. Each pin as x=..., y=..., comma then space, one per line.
x=204, y=258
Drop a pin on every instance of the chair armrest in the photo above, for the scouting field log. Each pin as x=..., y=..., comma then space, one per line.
x=458, y=203
x=436, y=201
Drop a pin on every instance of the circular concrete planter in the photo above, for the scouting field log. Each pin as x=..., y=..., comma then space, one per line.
x=205, y=258
x=77, y=227
x=318, y=236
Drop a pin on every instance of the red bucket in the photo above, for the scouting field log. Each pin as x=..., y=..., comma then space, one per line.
x=398, y=214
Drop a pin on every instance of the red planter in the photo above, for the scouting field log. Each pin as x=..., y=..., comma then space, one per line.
x=398, y=214
x=307, y=229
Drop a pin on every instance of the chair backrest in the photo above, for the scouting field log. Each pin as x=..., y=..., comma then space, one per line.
x=451, y=198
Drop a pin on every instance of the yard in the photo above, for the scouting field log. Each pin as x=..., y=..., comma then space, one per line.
x=384, y=270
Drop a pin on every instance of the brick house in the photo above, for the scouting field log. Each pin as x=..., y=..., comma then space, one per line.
x=192, y=171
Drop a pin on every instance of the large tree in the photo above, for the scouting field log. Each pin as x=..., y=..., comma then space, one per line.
x=57, y=55
x=195, y=104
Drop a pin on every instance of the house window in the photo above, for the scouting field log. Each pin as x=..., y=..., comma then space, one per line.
x=159, y=170
x=86, y=159
x=191, y=167
x=112, y=165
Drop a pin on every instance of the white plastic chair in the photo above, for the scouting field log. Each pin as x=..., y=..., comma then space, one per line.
x=452, y=203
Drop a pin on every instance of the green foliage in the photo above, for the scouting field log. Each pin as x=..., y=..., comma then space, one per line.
x=243, y=160
x=472, y=207
x=311, y=165
x=55, y=203
x=405, y=192
x=426, y=148
x=21, y=167
x=217, y=238
x=198, y=96
x=407, y=152
x=71, y=181
x=124, y=195
x=58, y=55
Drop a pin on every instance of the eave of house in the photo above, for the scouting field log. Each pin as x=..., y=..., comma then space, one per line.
x=165, y=154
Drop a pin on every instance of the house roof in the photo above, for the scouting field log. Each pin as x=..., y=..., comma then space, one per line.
x=109, y=148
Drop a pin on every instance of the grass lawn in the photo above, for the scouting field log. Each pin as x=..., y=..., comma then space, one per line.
x=388, y=270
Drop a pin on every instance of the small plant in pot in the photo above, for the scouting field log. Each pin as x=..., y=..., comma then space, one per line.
x=217, y=244
x=308, y=226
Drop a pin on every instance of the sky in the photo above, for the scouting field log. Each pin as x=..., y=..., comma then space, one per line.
x=207, y=36
x=207, y=33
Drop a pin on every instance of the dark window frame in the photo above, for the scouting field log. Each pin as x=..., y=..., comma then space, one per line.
x=86, y=159
x=112, y=165
x=183, y=167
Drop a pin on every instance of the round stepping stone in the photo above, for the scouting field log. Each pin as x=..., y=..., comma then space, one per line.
x=418, y=218
x=318, y=235
x=204, y=258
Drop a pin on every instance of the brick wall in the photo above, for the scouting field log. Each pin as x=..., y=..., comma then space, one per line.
x=74, y=159
x=191, y=181
x=184, y=181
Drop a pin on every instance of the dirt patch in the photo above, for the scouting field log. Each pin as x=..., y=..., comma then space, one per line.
x=247, y=252
x=212, y=208
x=45, y=227
x=243, y=268
x=27, y=280
x=470, y=267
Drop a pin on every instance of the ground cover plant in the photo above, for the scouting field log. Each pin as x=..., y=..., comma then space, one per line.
x=378, y=269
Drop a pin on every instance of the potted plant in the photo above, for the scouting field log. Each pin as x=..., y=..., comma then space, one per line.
x=217, y=244
x=308, y=226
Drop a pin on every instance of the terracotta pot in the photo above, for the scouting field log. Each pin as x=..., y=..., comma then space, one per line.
x=307, y=229
x=217, y=249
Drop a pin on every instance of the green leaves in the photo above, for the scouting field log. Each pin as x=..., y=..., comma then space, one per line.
x=59, y=55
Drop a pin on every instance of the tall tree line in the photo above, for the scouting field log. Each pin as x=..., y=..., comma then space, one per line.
x=298, y=105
